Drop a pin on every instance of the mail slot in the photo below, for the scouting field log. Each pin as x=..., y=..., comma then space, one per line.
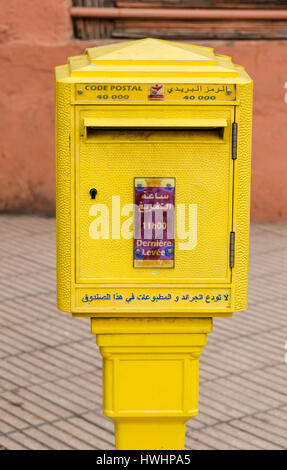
x=191, y=126
x=153, y=150
x=160, y=133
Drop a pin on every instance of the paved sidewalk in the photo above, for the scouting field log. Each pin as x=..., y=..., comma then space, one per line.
x=50, y=367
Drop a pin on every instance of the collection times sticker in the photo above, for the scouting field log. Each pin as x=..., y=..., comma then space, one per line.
x=154, y=223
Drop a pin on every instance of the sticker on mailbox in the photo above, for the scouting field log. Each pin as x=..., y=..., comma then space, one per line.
x=156, y=92
x=154, y=223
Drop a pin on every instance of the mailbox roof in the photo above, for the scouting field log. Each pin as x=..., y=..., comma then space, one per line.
x=150, y=59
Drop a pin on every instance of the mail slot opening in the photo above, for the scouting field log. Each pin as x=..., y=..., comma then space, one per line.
x=161, y=133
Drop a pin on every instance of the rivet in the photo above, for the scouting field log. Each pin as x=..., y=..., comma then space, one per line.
x=228, y=91
x=80, y=91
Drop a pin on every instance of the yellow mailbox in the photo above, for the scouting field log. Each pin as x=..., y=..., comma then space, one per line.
x=153, y=143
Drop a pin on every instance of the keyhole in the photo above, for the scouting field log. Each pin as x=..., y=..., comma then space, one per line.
x=93, y=193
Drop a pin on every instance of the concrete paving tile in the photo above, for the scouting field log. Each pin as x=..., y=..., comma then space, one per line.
x=217, y=408
x=47, y=406
x=69, y=390
x=26, y=400
x=267, y=395
x=62, y=432
x=93, y=430
x=97, y=417
x=272, y=441
x=235, y=397
x=218, y=441
x=72, y=387
x=57, y=396
x=88, y=382
x=14, y=407
x=24, y=342
x=8, y=443
x=247, y=440
x=49, y=442
x=13, y=420
x=47, y=369
x=276, y=434
x=9, y=377
x=193, y=444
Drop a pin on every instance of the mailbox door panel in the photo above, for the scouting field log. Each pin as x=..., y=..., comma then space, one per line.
x=191, y=146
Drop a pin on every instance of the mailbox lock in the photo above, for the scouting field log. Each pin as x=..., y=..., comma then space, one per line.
x=93, y=193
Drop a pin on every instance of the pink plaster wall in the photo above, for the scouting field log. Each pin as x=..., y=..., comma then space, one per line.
x=34, y=39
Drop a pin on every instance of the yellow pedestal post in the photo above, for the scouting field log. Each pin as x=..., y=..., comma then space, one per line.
x=150, y=377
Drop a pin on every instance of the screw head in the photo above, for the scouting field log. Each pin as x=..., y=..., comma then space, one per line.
x=80, y=91
x=228, y=91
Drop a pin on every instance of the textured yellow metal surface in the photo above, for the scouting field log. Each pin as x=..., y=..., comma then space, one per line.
x=242, y=177
x=203, y=173
x=64, y=195
x=97, y=275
